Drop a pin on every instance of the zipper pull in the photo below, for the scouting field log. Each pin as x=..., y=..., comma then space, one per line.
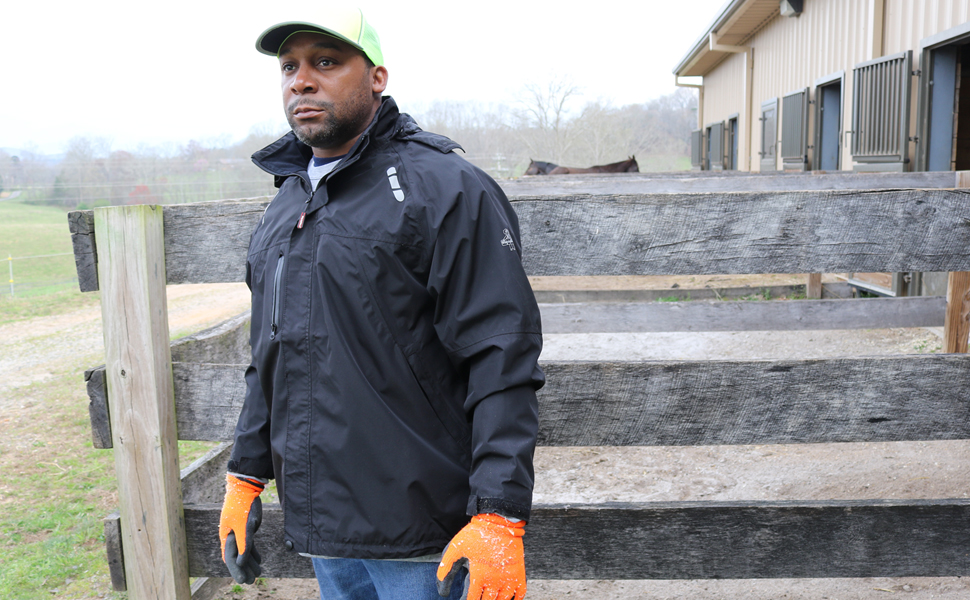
x=299, y=224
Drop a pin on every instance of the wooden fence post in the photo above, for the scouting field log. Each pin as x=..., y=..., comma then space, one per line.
x=813, y=289
x=131, y=260
x=957, y=325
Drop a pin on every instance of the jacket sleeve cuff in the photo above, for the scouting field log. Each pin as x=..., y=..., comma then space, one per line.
x=500, y=506
x=258, y=469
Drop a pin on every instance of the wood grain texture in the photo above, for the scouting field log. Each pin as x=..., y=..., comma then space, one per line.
x=957, y=322
x=744, y=233
x=712, y=293
x=138, y=379
x=723, y=181
x=674, y=403
x=217, y=393
x=225, y=343
x=81, y=225
x=689, y=540
x=116, y=556
x=206, y=242
x=813, y=288
x=781, y=315
x=98, y=408
x=661, y=234
x=666, y=403
x=209, y=588
x=204, y=480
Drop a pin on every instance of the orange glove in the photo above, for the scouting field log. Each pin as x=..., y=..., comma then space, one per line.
x=490, y=547
x=242, y=513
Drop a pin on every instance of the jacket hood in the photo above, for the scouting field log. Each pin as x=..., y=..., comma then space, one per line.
x=289, y=156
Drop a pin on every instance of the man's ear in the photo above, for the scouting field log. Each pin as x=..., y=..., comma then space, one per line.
x=378, y=80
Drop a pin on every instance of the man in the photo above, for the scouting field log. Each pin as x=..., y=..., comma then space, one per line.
x=395, y=341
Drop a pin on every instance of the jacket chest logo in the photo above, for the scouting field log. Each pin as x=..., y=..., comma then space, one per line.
x=395, y=185
x=507, y=240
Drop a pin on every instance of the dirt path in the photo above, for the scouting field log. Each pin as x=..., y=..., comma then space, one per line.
x=31, y=350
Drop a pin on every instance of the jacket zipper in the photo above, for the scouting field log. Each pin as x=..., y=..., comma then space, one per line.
x=276, y=297
x=340, y=167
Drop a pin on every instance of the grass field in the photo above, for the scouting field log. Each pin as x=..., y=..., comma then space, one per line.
x=55, y=492
x=29, y=231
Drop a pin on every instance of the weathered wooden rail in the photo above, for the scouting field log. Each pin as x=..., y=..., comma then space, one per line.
x=149, y=389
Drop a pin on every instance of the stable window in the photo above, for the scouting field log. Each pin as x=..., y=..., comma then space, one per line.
x=769, y=135
x=794, y=130
x=880, y=112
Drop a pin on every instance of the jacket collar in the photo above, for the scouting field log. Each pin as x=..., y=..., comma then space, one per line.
x=289, y=156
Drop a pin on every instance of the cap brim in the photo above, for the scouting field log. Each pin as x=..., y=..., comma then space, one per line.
x=269, y=41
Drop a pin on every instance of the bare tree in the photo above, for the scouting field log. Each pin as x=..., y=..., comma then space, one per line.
x=544, y=117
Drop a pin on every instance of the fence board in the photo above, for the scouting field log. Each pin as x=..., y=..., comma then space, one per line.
x=689, y=540
x=750, y=232
x=660, y=234
x=81, y=225
x=676, y=403
x=723, y=181
x=795, y=315
x=98, y=407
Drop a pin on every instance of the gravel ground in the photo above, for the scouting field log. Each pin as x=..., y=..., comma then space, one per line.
x=30, y=350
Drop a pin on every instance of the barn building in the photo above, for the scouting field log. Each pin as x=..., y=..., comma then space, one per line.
x=835, y=85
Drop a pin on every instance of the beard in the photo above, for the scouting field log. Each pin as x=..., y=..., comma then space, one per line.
x=339, y=123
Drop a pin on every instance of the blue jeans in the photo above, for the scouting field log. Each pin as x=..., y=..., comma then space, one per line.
x=359, y=579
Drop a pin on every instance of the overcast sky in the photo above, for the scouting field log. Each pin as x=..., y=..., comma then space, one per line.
x=167, y=71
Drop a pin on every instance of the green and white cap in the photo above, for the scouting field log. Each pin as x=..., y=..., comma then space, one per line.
x=345, y=24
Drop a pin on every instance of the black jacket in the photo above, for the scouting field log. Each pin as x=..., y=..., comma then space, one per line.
x=395, y=341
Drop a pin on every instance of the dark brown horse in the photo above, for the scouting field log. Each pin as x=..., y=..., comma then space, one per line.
x=624, y=166
x=537, y=167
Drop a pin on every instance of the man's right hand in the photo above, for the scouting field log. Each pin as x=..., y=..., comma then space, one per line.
x=242, y=513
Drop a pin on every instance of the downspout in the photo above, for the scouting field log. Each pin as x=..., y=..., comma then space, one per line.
x=700, y=98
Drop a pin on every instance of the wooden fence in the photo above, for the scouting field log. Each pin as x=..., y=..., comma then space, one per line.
x=150, y=392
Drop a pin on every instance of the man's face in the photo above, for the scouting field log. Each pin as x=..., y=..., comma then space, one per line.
x=328, y=91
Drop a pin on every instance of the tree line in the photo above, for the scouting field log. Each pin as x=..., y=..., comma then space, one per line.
x=544, y=125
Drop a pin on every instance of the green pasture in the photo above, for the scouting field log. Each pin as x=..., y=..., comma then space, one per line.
x=34, y=231
x=56, y=490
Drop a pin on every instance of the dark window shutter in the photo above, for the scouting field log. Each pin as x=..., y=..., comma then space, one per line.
x=697, y=149
x=794, y=130
x=880, y=110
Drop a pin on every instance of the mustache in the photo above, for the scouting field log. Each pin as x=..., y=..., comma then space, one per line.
x=303, y=103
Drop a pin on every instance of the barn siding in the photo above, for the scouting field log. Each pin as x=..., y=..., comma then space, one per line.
x=725, y=96
x=829, y=36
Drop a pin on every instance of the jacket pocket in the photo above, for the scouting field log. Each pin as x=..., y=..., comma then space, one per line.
x=443, y=390
x=277, y=281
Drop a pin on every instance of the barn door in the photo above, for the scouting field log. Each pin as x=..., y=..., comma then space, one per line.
x=828, y=123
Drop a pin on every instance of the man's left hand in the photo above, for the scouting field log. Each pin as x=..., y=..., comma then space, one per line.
x=490, y=547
